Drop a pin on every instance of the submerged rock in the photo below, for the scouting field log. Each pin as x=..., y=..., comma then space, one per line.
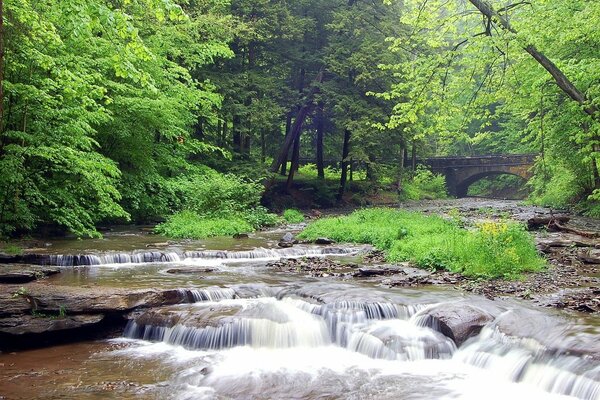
x=191, y=271
x=324, y=241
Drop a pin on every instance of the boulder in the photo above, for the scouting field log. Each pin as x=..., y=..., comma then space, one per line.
x=11, y=274
x=458, y=321
x=15, y=300
x=287, y=240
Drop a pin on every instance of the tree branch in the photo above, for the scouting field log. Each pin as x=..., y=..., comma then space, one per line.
x=561, y=79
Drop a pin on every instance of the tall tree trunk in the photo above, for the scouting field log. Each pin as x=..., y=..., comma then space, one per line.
x=595, y=168
x=199, y=129
x=320, y=132
x=294, y=164
x=237, y=135
x=219, y=130
x=247, y=143
x=344, y=175
x=561, y=79
x=224, y=133
x=296, y=155
x=413, y=156
x=288, y=128
x=263, y=147
x=403, y=154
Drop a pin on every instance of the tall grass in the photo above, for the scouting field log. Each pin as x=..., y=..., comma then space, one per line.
x=490, y=250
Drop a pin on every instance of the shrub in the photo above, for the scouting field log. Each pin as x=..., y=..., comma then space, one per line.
x=188, y=224
x=208, y=203
x=491, y=250
x=424, y=185
x=293, y=216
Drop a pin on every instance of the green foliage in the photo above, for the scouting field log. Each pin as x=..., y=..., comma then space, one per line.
x=188, y=224
x=491, y=250
x=310, y=171
x=214, y=204
x=424, y=185
x=557, y=189
x=100, y=103
x=293, y=216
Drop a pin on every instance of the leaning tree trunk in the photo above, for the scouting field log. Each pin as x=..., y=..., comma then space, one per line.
x=294, y=164
x=344, y=175
x=561, y=79
x=297, y=126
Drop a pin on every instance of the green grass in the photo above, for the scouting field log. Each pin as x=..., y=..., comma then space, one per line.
x=293, y=216
x=190, y=225
x=12, y=249
x=491, y=250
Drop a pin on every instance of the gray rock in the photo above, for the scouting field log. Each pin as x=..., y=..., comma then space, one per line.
x=288, y=237
x=458, y=321
x=27, y=324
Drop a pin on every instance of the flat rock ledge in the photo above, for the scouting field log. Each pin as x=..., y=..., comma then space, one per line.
x=37, y=314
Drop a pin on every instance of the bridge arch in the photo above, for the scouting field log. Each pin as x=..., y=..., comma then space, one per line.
x=462, y=188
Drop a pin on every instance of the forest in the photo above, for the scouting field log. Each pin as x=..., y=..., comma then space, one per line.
x=200, y=114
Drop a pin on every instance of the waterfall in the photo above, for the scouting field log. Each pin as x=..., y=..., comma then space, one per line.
x=66, y=260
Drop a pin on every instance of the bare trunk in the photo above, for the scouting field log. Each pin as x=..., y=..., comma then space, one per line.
x=344, y=175
x=403, y=154
x=294, y=164
x=413, y=157
x=219, y=130
x=320, y=131
x=561, y=79
x=237, y=135
x=595, y=168
x=288, y=127
x=295, y=155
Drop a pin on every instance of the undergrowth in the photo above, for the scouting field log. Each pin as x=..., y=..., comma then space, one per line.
x=293, y=216
x=490, y=250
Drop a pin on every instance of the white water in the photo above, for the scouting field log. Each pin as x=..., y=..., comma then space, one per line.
x=208, y=257
x=290, y=348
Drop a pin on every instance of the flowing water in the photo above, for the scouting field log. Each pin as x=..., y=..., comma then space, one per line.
x=250, y=332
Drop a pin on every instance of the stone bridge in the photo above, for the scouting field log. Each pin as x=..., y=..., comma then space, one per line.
x=462, y=172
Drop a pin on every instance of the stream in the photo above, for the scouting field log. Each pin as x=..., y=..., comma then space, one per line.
x=248, y=331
